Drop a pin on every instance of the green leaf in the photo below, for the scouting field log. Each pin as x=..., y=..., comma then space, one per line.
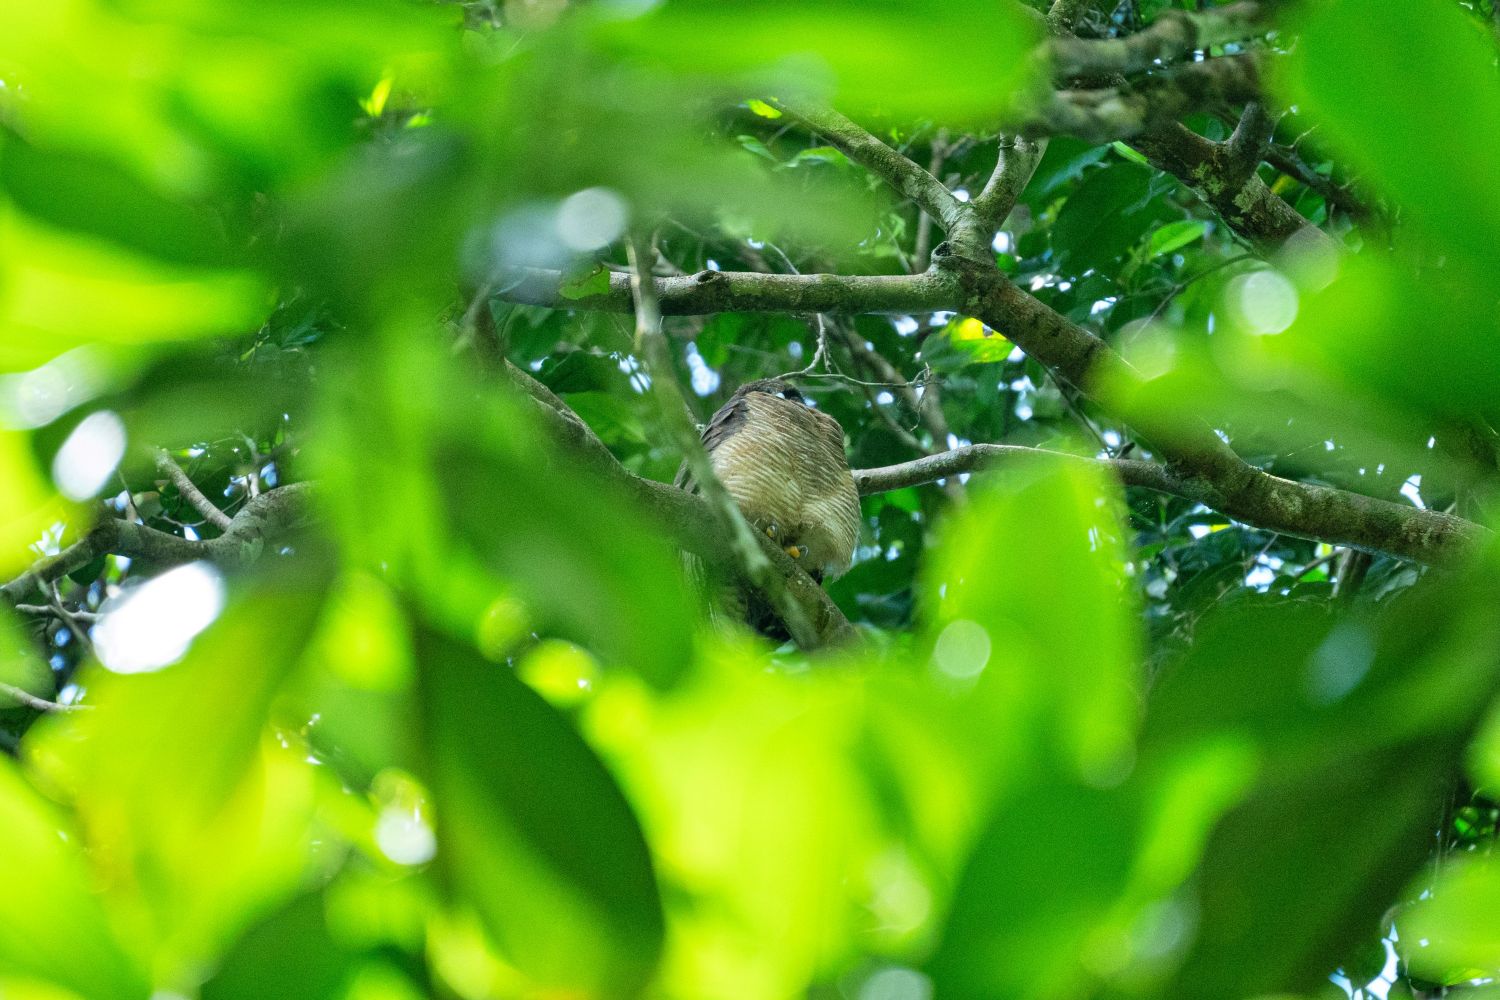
x=1101, y=218
x=1299, y=686
x=174, y=771
x=781, y=46
x=821, y=154
x=291, y=954
x=980, y=343
x=580, y=285
x=752, y=783
x=28, y=504
x=59, y=290
x=1175, y=235
x=20, y=664
x=1039, y=882
x=1053, y=850
x=482, y=510
x=1065, y=160
x=1428, y=138
x=92, y=196
x=983, y=586
x=1129, y=154
x=52, y=926
x=753, y=144
x=762, y=109
x=533, y=831
x=1450, y=935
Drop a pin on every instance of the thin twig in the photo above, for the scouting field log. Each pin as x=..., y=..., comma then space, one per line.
x=79, y=631
x=922, y=248
x=40, y=704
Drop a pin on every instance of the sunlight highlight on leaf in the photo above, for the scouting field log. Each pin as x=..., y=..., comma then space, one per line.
x=58, y=291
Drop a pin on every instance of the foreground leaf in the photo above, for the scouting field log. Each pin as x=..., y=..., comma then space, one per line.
x=533, y=831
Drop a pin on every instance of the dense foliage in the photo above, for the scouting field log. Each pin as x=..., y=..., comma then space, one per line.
x=347, y=352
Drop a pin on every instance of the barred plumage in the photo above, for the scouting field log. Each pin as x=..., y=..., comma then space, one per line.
x=783, y=463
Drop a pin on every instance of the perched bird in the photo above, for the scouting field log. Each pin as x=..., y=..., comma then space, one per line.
x=783, y=463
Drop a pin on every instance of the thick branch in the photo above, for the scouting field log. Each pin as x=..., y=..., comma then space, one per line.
x=1248, y=207
x=1321, y=513
x=1172, y=35
x=1063, y=15
x=1246, y=147
x=904, y=175
x=1105, y=115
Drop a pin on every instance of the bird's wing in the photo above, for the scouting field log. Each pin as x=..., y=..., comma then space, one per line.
x=724, y=423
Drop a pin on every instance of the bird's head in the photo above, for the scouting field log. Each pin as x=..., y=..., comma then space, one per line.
x=772, y=387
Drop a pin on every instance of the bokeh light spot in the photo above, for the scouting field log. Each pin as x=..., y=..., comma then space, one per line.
x=590, y=219
x=962, y=649
x=150, y=626
x=89, y=456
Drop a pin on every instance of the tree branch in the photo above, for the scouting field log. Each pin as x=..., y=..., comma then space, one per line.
x=1063, y=15
x=189, y=490
x=30, y=700
x=270, y=515
x=1017, y=161
x=982, y=457
x=1249, y=207
x=1172, y=35
x=1320, y=513
x=1128, y=110
x=1205, y=468
x=743, y=291
x=1246, y=147
x=906, y=176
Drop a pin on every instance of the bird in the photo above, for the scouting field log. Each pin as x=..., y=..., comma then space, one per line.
x=782, y=461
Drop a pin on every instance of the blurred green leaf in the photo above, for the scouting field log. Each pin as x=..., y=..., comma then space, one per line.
x=20, y=665
x=357, y=682
x=473, y=508
x=92, y=196
x=28, y=504
x=1450, y=935
x=290, y=955
x=59, y=290
x=51, y=923
x=750, y=783
x=1303, y=686
x=159, y=87
x=992, y=617
x=1428, y=138
x=1039, y=737
x=844, y=51
x=1042, y=877
x=197, y=818
x=533, y=831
